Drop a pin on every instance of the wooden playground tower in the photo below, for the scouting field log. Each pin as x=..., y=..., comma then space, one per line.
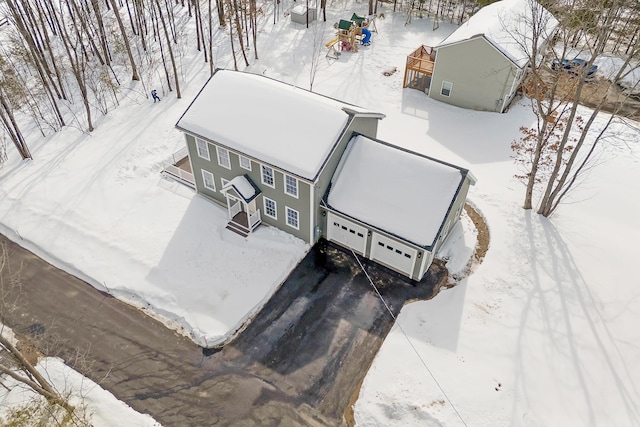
x=349, y=34
x=419, y=68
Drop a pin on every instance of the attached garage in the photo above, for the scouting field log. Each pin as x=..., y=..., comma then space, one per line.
x=393, y=254
x=392, y=205
x=346, y=233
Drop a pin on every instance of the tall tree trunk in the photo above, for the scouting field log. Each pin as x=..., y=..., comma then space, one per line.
x=101, y=32
x=173, y=61
x=125, y=37
x=253, y=16
x=54, y=63
x=211, y=65
x=9, y=122
x=239, y=31
x=221, y=15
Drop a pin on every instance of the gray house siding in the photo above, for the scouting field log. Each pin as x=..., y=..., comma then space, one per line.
x=277, y=194
x=481, y=75
x=454, y=214
x=283, y=200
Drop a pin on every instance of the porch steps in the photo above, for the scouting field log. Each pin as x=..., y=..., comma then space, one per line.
x=238, y=229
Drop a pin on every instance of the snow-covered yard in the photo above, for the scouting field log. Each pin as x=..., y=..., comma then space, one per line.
x=541, y=334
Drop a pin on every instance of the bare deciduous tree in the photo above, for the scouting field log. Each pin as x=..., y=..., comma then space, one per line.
x=562, y=145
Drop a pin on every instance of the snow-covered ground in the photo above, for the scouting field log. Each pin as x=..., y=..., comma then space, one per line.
x=93, y=403
x=548, y=319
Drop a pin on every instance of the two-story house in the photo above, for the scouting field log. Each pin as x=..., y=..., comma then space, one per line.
x=269, y=152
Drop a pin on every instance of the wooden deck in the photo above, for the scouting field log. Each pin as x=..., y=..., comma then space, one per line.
x=184, y=164
x=419, y=68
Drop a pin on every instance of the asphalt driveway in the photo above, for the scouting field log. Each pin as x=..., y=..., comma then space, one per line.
x=299, y=362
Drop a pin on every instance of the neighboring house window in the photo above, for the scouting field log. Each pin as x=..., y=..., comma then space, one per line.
x=292, y=218
x=291, y=186
x=245, y=163
x=209, y=182
x=267, y=176
x=203, y=148
x=270, y=208
x=447, y=87
x=224, y=182
x=223, y=157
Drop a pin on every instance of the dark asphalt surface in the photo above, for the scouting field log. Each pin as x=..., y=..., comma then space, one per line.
x=298, y=363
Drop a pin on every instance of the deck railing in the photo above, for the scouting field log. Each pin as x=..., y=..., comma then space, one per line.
x=170, y=169
x=179, y=155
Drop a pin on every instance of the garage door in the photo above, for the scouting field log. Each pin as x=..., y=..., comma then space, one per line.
x=393, y=254
x=346, y=233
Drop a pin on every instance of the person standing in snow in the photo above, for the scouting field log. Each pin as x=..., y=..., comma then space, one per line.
x=155, y=96
x=366, y=40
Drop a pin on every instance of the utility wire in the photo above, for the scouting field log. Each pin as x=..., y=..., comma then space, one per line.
x=408, y=339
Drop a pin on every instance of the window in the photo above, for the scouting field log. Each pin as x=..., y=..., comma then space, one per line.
x=224, y=181
x=223, y=157
x=270, y=208
x=447, y=87
x=292, y=218
x=245, y=163
x=267, y=176
x=291, y=186
x=207, y=178
x=203, y=148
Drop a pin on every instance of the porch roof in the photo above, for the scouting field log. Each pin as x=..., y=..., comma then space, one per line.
x=401, y=192
x=244, y=186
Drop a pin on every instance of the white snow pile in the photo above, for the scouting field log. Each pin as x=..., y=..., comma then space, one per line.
x=97, y=405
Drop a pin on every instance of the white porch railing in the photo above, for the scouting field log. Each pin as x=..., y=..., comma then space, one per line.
x=235, y=209
x=179, y=155
x=254, y=219
x=183, y=175
x=169, y=168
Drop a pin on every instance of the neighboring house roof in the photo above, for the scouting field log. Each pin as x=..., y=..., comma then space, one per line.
x=395, y=190
x=244, y=186
x=287, y=127
x=508, y=25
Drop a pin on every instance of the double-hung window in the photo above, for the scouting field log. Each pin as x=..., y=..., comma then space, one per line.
x=203, y=149
x=208, y=180
x=291, y=186
x=270, y=208
x=447, y=87
x=267, y=176
x=223, y=157
x=292, y=218
x=245, y=163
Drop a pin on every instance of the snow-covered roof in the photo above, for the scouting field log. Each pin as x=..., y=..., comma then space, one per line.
x=243, y=185
x=508, y=25
x=395, y=190
x=287, y=127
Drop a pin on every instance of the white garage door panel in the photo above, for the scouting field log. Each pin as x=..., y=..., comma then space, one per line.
x=346, y=233
x=393, y=254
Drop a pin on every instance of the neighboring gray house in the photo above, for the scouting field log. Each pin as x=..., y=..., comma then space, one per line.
x=482, y=63
x=274, y=153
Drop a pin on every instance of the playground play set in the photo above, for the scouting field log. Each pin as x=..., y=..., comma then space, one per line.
x=351, y=32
